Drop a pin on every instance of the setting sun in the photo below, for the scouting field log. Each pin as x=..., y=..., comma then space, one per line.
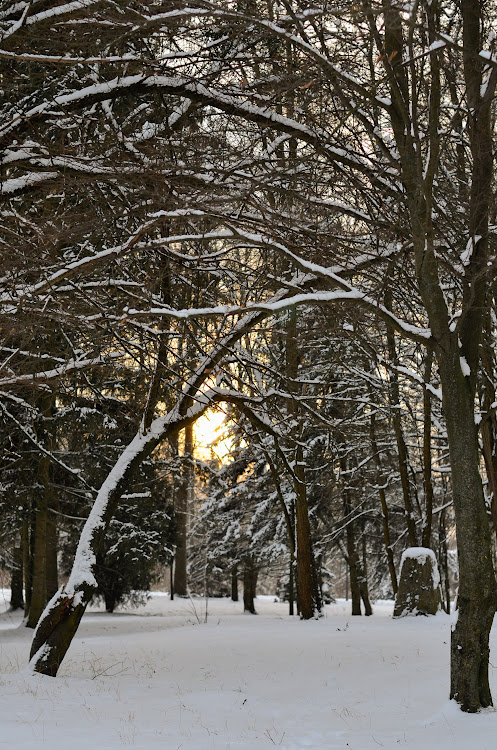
x=209, y=433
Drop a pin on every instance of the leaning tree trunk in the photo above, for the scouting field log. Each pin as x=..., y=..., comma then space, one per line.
x=62, y=615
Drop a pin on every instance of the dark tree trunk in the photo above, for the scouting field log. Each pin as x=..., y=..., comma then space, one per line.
x=477, y=596
x=27, y=558
x=363, y=577
x=171, y=576
x=181, y=511
x=234, y=583
x=39, y=580
x=250, y=574
x=16, y=588
x=428, y=485
x=39, y=593
x=352, y=562
x=110, y=602
x=364, y=589
x=444, y=561
x=307, y=584
x=399, y=434
x=305, y=568
x=352, y=558
x=52, y=575
x=384, y=507
x=291, y=587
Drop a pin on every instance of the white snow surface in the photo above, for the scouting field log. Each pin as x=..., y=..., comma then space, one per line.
x=157, y=678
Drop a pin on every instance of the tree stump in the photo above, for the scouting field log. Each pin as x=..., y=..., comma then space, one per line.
x=419, y=585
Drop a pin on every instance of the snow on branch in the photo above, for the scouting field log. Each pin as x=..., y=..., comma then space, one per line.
x=56, y=372
x=234, y=103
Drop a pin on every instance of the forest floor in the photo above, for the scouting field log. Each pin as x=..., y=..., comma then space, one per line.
x=160, y=676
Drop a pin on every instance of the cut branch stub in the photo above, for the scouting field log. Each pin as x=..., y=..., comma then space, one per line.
x=419, y=585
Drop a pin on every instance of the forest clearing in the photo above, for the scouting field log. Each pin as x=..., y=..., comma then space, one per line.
x=155, y=677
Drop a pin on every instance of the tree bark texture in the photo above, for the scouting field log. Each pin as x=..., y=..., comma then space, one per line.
x=477, y=597
x=16, y=588
x=250, y=575
x=234, y=583
x=381, y=481
x=181, y=511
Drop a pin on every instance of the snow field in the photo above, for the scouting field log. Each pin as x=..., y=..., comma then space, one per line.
x=158, y=678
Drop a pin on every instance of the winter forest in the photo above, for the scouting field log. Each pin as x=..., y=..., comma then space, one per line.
x=248, y=324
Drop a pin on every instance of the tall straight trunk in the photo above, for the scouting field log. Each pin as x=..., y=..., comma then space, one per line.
x=250, y=575
x=381, y=481
x=307, y=584
x=234, y=583
x=27, y=558
x=16, y=593
x=428, y=484
x=477, y=597
x=363, y=576
x=399, y=435
x=52, y=573
x=444, y=559
x=39, y=562
x=489, y=423
x=43, y=497
x=291, y=588
x=181, y=511
x=352, y=558
x=309, y=599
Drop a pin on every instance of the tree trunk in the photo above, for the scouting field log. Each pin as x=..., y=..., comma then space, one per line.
x=477, y=597
x=399, y=433
x=39, y=581
x=428, y=485
x=110, y=602
x=363, y=577
x=291, y=587
x=442, y=537
x=352, y=561
x=250, y=574
x=307, y=584
x=181, y=511
x=27, y=558
x=384, y=507
x=39, y=595
x=16, y=593
x=52, y=575
x=234, y=583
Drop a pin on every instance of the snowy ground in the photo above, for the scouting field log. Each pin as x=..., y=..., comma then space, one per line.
x=156, y=677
